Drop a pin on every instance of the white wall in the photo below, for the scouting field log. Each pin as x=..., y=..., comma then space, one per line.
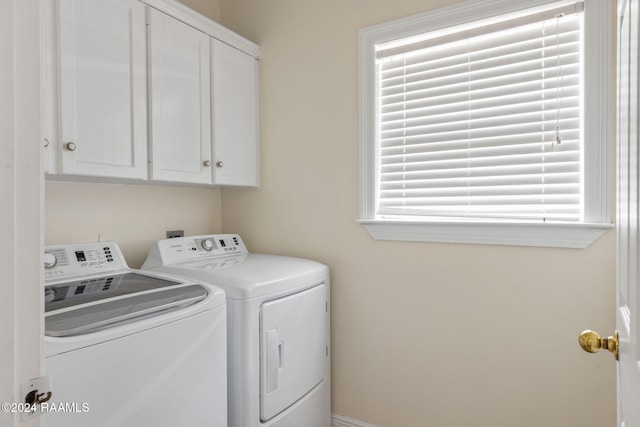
x=423, y=334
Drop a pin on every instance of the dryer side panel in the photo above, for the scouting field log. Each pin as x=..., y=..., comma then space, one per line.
x=293, y=348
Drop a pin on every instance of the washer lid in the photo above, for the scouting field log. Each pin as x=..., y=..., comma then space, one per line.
x=84, y=305
x=91, y=289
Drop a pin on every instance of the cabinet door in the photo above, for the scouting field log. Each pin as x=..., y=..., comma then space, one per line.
x=235, y=116
x=102, y=78
x=180, y=101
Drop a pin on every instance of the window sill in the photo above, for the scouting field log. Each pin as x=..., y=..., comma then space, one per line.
x=488, y=233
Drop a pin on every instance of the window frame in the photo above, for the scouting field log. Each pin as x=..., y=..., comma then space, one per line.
x=599, y=101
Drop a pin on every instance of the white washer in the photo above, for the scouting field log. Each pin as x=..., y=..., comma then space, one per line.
x=278, y=327
x=130, y=348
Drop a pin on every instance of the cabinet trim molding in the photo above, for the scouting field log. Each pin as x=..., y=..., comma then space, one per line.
x=204, y=24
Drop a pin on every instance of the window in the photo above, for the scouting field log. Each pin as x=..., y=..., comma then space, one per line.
x=489, y=122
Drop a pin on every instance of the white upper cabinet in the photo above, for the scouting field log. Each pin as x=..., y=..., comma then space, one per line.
x=147, y=90
x=101, y=61
x=180, y=101
x=235, y=115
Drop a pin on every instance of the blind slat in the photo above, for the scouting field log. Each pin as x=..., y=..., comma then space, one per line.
x=508, y=25
x=431, y=67
x=468, y=128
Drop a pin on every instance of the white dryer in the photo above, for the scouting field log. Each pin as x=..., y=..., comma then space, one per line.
x=130, y=348
x=278, y=327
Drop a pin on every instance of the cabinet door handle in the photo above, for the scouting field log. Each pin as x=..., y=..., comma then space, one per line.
x=207, y=163
x=219, y=164
x=70, y=146
x=46, y=143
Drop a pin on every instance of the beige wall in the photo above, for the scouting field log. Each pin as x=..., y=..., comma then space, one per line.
x=133, y=215
x=209, y=8
x=423, y=334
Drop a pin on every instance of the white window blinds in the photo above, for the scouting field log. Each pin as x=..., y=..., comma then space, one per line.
x=483, y=123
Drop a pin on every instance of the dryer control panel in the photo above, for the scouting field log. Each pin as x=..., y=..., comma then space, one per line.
x=63, y=261
x=205, y=247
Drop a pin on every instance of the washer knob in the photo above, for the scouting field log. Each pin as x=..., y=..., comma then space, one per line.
x=49, y=295
x=207, y=244
x=50, y=260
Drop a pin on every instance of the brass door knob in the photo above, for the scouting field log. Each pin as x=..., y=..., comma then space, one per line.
x=591, y=342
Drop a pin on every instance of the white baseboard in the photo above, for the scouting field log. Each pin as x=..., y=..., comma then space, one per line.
x=340, y=421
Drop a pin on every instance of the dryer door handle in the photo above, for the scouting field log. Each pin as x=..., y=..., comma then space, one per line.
x=275, y=359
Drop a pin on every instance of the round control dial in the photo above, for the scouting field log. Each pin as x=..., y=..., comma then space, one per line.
x=207, y=244
x=49, y=295
x=50, y=260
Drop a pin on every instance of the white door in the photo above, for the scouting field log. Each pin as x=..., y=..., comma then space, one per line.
x=235, y=115
x=293, y=348
x=628, y=284
x=102, y=63
x=180, y=101
x=21, y=217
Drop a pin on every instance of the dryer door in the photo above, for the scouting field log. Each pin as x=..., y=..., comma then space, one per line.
x=293, y=348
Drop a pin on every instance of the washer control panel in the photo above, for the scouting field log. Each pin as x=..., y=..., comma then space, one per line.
x=61, y=261
x=191, y=248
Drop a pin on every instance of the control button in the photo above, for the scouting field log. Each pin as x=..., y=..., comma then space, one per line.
x=49, y=295
x=207, y=244
x=50, y=260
